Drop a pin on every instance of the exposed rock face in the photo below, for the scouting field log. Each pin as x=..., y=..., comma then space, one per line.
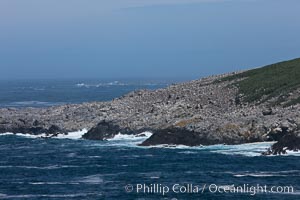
x=203, y=111
x=287, y=134
x=176, y=136
x=104, y=130
x=281, y=129
x=21, y=126
x=289, y=142
x=54, y=130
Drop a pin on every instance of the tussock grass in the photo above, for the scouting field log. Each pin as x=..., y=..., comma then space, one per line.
x=270, y=81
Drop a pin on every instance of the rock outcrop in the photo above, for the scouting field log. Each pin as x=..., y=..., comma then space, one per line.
x=289, y=142
x=207, y=111
x=105, y=130
x=177, y=136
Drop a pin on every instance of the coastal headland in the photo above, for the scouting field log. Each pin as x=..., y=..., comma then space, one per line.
x=256, y=105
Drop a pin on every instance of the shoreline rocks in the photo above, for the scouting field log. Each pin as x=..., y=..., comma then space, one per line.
x=104, y=130
x=33, y=130
x=176, y=136
x=200, y=112
x=289, y=142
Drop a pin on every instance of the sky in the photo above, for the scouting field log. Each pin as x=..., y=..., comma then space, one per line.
x=49, y=39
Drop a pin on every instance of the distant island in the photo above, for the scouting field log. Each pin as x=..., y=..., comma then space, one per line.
x=256, y=105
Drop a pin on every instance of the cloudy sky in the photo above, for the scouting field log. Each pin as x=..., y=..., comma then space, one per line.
x=144, y=38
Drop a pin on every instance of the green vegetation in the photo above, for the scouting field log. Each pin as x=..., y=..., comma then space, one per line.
x=274, y=80
x=292, y=102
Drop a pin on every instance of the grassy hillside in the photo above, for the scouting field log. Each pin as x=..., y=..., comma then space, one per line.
x=270, y=81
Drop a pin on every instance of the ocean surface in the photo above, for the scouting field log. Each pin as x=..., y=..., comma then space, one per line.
x=41, y=93
x=68, y=167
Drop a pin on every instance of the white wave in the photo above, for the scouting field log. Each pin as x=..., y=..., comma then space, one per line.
x=122, y=140
x=71, y=135
x=80, y=84
x=292, y=153
x=3, y=134
x=31, y=136
x=2, y=195
x=47, y=183
x=249, y=149
x=113, y=83
x=118, y=83
x=268, y=174
x=44, y=167
x=141, y=136
x=258, y=175
x=24, y=135
x=151, y=175
x=188, y=152
x=93, y=179
x=95, y=156
x=173, y=146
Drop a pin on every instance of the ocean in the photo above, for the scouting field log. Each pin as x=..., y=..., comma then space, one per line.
x=42, y=93
x=69, y=167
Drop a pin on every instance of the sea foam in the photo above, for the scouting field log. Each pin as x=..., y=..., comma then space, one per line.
x=71, y=135
x=249, y=149
x=141, y=136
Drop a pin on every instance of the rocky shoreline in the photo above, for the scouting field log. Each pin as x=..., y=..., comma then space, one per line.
x=200, y=112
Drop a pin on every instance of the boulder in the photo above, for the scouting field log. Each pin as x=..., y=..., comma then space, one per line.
x=53, y=129
x=176, y=136
x=15, y=128
x=289, y=142
x=104, y=130
x=281, y=130
x=268, y=111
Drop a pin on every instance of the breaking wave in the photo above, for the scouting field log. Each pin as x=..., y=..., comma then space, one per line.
x=114, y=83
x=287, y=173
x=250, y=149
x=120, y=137
x=117, y=83
x=71, y=135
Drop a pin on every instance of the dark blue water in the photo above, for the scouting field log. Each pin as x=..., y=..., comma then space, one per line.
x=41, y=93
x=32, y=168
x=35, y=168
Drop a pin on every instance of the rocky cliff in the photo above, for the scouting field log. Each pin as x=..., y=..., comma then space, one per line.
x=241, y=107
